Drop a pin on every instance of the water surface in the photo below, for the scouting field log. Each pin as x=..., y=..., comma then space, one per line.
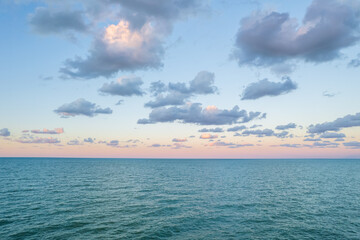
x=179, y=199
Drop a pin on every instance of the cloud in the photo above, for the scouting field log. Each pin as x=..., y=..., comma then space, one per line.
x=119, y=48
x=312, y=139
x=282, y=69
x=285, y=127
x=328, y=94
x=265, y=133
x=125, y=86
x=255, y=126
x=201, y=84
x=177, y=93
x=267, y=38
x=208, y=136
x=355, y=62
x=344, y=122
x=214, y=130
x=180, y=145
x=194, y=113
x=259, y=133
x=74, y=142
x=158, y=87
x=179, y=140
x=136, y=42
x=325, y=144
x=266, y=88
x=352, y=145
x=89, y=140
x=332, y=135
x=119, y=102
x=47, y=131
x=291, y=145
x=48, y=21
x=156, y=145
x=174, y=99
x=236, y=128
x=229, y=144
x=4, y=132
x=113, y=143
x=39, y=140
x=81, y=107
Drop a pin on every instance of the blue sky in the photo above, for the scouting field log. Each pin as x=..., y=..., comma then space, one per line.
x=284, y=61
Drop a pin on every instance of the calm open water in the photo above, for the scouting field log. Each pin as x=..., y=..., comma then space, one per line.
x=179, y=199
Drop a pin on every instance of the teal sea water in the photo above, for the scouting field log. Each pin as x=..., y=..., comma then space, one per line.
x=179, y=199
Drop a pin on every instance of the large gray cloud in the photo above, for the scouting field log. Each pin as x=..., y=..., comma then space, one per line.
x=81, y=107
x=266, y=88
x=48, y=21
x=177, y=93
x=267, y=38
x=135, y=42
x=337, y=125
x=126, y=86
x=4, y=132
x=194, y=113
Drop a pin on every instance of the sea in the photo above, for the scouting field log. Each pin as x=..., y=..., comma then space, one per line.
x=64, y=198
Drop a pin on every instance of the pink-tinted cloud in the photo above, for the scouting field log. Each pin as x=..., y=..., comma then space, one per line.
x=208, y=136
x=48, y=131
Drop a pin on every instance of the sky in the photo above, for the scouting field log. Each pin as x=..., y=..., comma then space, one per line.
x=180, y=78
